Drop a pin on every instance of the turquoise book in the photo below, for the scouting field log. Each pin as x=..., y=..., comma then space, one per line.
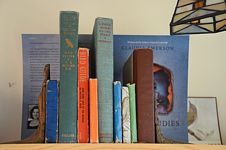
x=103, y=46
x=51, y=131
x=117, y=112
x=68, y=76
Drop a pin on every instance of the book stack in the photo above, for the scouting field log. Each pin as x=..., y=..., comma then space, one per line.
x=117, y=88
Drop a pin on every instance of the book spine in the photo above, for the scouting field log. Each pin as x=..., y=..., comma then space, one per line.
x=143, y=78
x=51, y=132
x=94, y=137
x=68, y=76
x=117, y=112
x=126, y=115
x=103, y=44
x=133, y=118
x=83, y=93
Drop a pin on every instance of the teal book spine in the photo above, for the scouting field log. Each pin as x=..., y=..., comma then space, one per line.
x=133, y=119
x=68, y=76
x=117, y=112
x=103, y=45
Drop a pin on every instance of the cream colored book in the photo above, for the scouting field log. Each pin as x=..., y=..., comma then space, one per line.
x=126, y=115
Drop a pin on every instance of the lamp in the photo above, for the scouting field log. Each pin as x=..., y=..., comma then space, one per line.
x=198, y=17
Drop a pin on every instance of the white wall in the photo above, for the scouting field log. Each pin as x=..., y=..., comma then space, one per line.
x=207, y=61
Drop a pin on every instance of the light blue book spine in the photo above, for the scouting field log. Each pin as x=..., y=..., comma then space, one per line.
x=51, y=131
x=68, y=76
x=117, y=112
x=103, y=44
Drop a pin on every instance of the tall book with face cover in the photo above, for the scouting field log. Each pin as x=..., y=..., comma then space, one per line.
x=170, y=73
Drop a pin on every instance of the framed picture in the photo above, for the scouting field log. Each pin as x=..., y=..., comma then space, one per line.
x=33, y=116
x=203, y=122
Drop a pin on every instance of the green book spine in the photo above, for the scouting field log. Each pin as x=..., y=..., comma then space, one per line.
x=68, y=76
x=103, y=44
x=133, y=119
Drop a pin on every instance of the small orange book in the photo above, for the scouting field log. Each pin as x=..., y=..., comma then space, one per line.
x=94, y=137
x=83, y=95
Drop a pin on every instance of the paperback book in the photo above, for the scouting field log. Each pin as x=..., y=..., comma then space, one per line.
x=38, y=50
x=170, y=57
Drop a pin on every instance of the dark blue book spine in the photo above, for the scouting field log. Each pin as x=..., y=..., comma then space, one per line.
x=51, y=132
x=117, y=134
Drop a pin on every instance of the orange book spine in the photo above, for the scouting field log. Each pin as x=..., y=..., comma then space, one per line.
x=83, y=95
x=94, y=136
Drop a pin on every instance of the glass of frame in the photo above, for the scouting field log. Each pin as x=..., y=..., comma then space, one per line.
x=203, y=122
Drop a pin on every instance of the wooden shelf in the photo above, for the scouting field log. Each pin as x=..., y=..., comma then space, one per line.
x=110, y=146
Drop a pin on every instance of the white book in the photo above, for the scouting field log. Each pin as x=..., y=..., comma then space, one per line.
x=126, y=115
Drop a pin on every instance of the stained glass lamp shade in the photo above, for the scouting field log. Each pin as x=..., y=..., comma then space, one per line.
x=198, y=16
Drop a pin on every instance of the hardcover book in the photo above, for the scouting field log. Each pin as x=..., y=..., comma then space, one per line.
x=138, y=70
x=103, y=46
x=126, y=132
x=117, y=112
x=170, y=54
x=133, y=112
x=83, y=95
x=51, y=130
x=68, y=76
x=93, y=113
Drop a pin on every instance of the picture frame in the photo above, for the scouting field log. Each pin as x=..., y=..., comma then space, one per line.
x=33, y=116
x=203, y=121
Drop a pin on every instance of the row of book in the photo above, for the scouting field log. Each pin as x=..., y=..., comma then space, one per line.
x=124, y=106
x=146, y=106
x=74, y=104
